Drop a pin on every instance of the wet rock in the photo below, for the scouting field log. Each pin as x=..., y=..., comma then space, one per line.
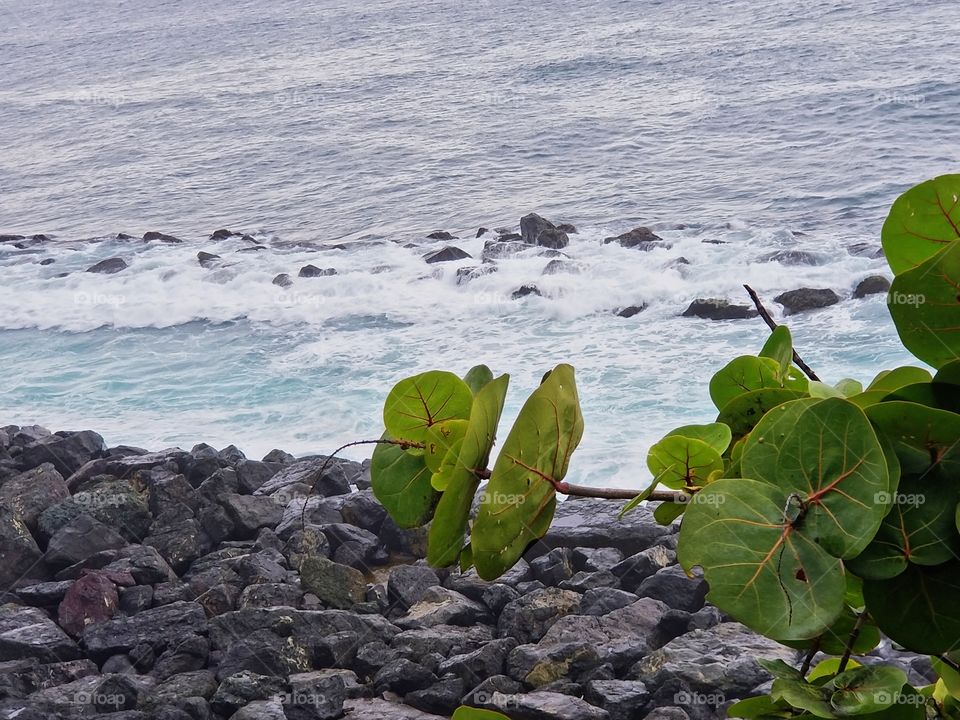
x=282, y=280
x=159, y=627
x=208, y=260
x=567, y=228
x=558, y=266
x=638, y=567
x=79, y=539
x=872, y=285
x=529, y=617
x=250, y=513
x=311, y=271
x=162, y=237
x=805, y=299
x=642, y=238
x=442, y=606
x=32, y=492
x=108, y=266
x=865, y=249
x=545, y=706
x=481, y=232
x=450, y=253
x=553, y=238
x=441, y=235
x=91, y=599
x=466, y=274
x=402, y=676
x=794, y=257
x=29, y=633
x=718, y=309
x=536, y=230
x=672, y=586
x=68, y=452
x=629, y=312
x=593, y=522
x=623, y=699
x=603, y=600
x=222, y=234
x=525, y=290
x=500, y=248
x=20, y=558
x=377, y=709
x=336, y=585
x=326, y=478
x=408, y=584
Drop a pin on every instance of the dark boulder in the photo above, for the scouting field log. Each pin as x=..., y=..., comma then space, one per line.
x=642, y=238
x=629, y=312
x=160, y=627
x=466, y=274
x=525, y=290
x=872, y=285
x=32, y=492
x=450, y=253
x=718, y=309
x=537, y=230
x=482, y=231
x=29, y=633
x=441, y=235
x=91, y=599
x=804, y=299
x=794, y=257
x=312, y=271
x=558, y=266
x=326, y=477
x=553, y=238
x=208, y=260
x=108, y=266
x=162, y=237
x=222, y=234
x=68, y=452
x=282, y=280
x=20, y=558
x=79, y=539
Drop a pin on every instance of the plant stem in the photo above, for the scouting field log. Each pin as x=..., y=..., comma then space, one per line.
x=808, y=660
x=952, y=664
x=619, y=493
x=854, y=634
x=773, y=325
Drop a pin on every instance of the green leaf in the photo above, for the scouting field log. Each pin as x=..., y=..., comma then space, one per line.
x=666, y=512
x=937, y=395
x=921, y=222
x=866, y=689
x=419, y=402
x=466, y=558
x=950, y=677
x=521, y=497
x=635, y=501
x=922, y=437
x=743, y=413
x=890, y=380
x=848, y=387
x=918, y=608
x=804, y=696
x=477, y=378
x=761, y=567
x=949, y=373
x=469, y=713
x=831, y=460
x=833, y=640
x=780, y=669
x=828, y=667
x=925, y=308
x=440, y=437
x=716, y=435
x=446, y=539
x=779, y=348
x=762, y=706
x=401, y=482
x=681, y=462
x=746, y=374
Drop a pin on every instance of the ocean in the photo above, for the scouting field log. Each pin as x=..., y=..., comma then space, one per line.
x=341, y=135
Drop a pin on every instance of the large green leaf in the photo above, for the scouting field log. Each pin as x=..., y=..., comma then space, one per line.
x=470, y=713
x=520, y=499
x=440, y=438
x=761, y=566
x=918, y=608
x=477, y=378
x=924, y=438
x=925, y=306
x=419, y=402
x=779, y=348
x=401, y=482
x=866, y=689
x=921, y=222
x=828, y=456
x=938, y=395
x=716, y=435
x=890, y=380
x=460, y=479
x=834, y=640
x=745, y=411
x=680, y=462
x=746, y=374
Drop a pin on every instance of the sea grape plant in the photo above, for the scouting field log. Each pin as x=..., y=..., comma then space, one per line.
x=821, y=516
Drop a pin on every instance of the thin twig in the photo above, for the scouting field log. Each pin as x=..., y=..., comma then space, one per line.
x=952, y=664
x=854, y=634
x=808, y=658
x=773, y=326
x=619, y=493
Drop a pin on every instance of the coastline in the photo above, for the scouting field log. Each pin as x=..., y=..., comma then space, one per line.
x=181, y=584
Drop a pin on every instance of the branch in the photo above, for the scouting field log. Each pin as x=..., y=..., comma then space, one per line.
x=855, y=633
x=773, y=325
x=619, y=493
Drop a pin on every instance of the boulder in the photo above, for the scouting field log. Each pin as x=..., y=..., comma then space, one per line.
x=79, y=539
x=222, y=234
x=442, y=235
x=498, y=249
x=450, y=253
x=718, y=309
x=242, y=688
x=68, y=452
x=476, y=666
x=208, y=260
x=558, y=266
x=158, y=628
x=638, y=567
x=402, y=676
x=641, y=238
x=108, y=266
x=311, y=271
x=622, y=699
x=544, y=706
x=794, y=257
x=250, y=513
x=603, y=600
x=161, y=237
x=91, y=599
x=377, y=709
x=29, y=633
x=472, y=272
x=524, y=291
x=336, y=585
x=672, y=586
x=630, y=311
x=528, y=618
x=408, y=584
x=335, y=479
x=442, y=606
x=282, y=280
x=32, y=492
x=872, y=285
x=805, y=299
x=536, y=230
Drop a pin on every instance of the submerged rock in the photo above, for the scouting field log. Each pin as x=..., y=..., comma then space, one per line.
x=642, y=238
x=310, y=271
x=804, y=299
x=872, y=285
x=283, y=280
x=108, y=266
x=629, y=312
x=208, y=260
x=162, y=237
x=450, y=253
x=525, y=290
x=794, y=257
x=441, y=235
x=718, y=309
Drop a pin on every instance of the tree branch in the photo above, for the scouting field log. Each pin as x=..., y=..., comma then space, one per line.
x=773, y=325
x=619, y=493
x=851, y=641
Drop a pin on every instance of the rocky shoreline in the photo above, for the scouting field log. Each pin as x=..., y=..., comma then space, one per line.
x=182, y=585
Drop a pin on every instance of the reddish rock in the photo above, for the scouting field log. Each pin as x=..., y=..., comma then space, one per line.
x=91, y=599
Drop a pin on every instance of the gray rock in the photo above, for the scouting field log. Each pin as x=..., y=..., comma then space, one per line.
x=316, y=696
x=68, y=453
x=282, y=280
x=718, y=309
x=529, y=617
x=208, y=260
x=672, y=586
x=115, y=503
x=442, y=606
x=408, y=584
x=466, y=274
x=362, y=509
x=250, y=513
x=623, y=699
x=554, y=567
x=804, y=299
x=32, y=492
x=642, y=238
x=447, y=640
x=554, y=238
x=79, y=539
x=443, y=697
x=630, y=311
x=485, y=662
x=160, y=627
x=186, y=655
x=178, y=542
x=402, y=676
x=600, y=601
x=29, y=633
x=334, y=480
x=594, y=559
x=872, y=285
x=794, y=257
x=311, y=271
x=524, y=291
x=450, y=253
x=583, y=581
x=558, y=266
x=153, y=235
x=545, y=706
x=593, y=522
x=261, y=710
x=377, y=709
x=719, y=661
x=108, y=266
x=865, y=249
x=319, y=512
x=638, y=567
x=336, y=585
x=44, y=594
x=242, y=688
x=20, y=558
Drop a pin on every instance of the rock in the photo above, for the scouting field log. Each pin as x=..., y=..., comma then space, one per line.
x=222, y=234
x=116, y=504
x=558, y=267
x=334, y=480
x=481, y=232
x=529, y=617
x=67, y=452
x=116, y=693
x=638, y=567
x=441, y=606
x=441, y=235
x=187, y=655
x=32, y=492
x=593, y=522
x=629, y=312
x=794, y=257
x=91, y=599
x=208, y=260
x=29, y=633
x=311, y=271
x=603, y=600
x=544, y=706
x=872, y=285
x=371, y=657
x=672, y=586
x=804, y=299
x=20, y=557
x=377, y=709
x=250, y=513
x=145, y=565
x=136, y=599
x=280, y=457
x=158, y=628
x=252, y=474
x=536, y=230
x=402, y=676
x=525, y=290
x=408, y=584
x=162, y=237
x=584, y=581
x=594, y=559
x=554, y=567
x=79, y=539
x=480, y=664
x=450, y=253
x=447, y=640
x=466, y=274
x=315, y=696
x=567, y=228
x=500, y=248
x=642, y=238
x=108, y=266
x=362, y=509
x=242, y=688
x=865, y=249
x=443, y=697
x=554, y=238
x=336, y=585
x=362, y=543
x=622, y=699
x=338, y=650
x=261, y=710
x=282, y=280
x=721, y=661
x=44, y=594
x=718, y=309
